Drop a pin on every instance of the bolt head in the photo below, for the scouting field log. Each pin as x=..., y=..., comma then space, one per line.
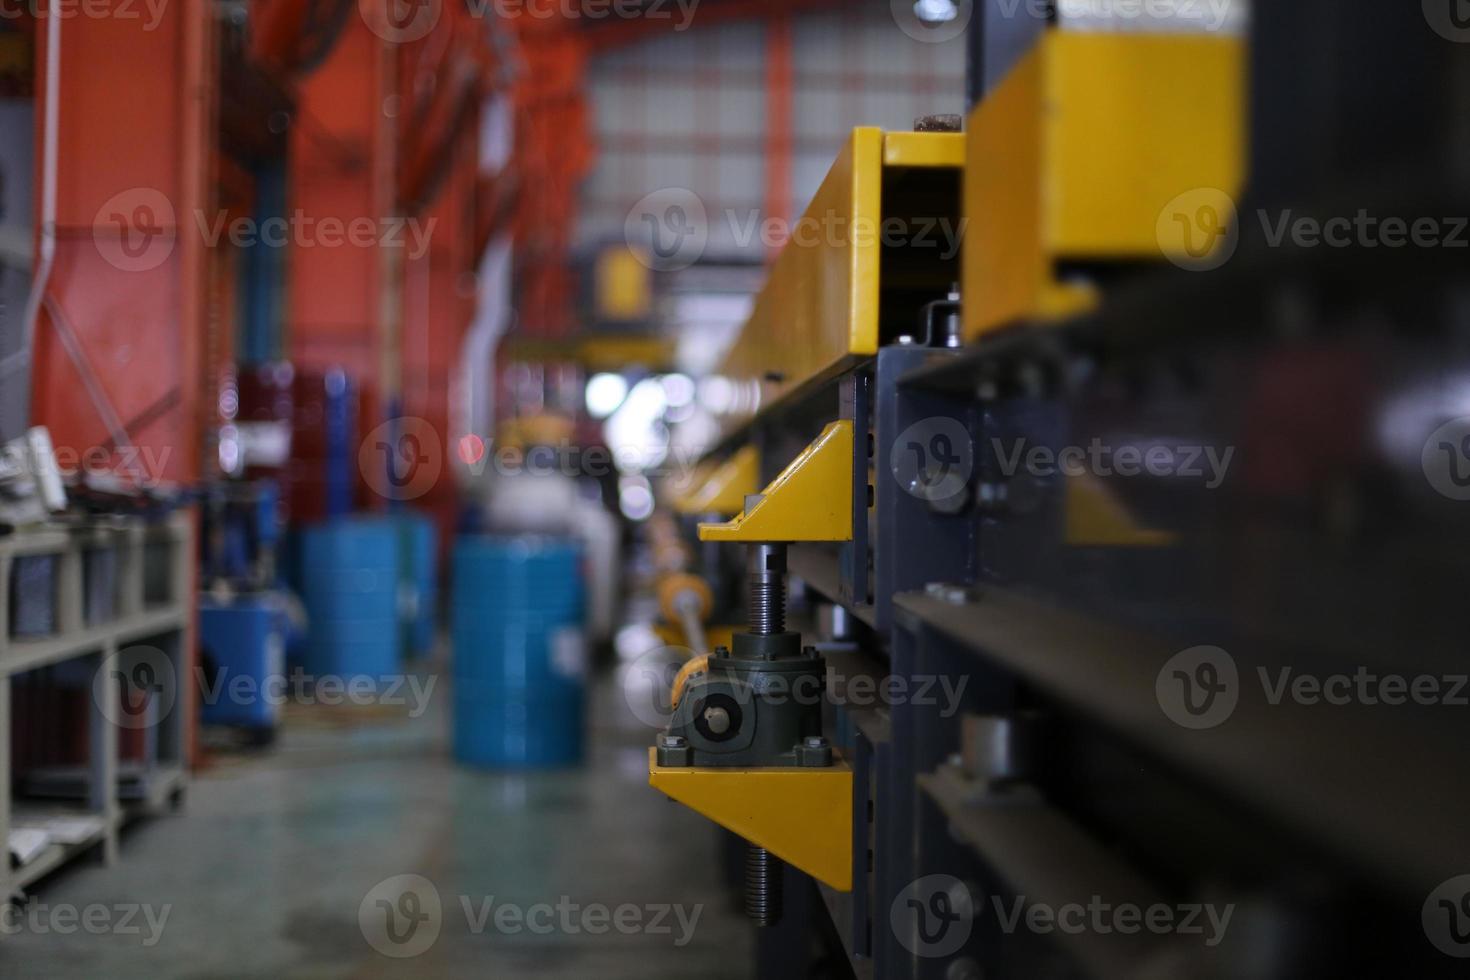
x=815, y=741
x=671, y=741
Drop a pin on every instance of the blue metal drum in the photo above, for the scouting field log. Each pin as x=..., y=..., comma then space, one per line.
x=519, y=653
x=349, y=583
x=242, y=637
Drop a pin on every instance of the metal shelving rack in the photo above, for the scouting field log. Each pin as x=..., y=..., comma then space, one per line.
x=149, y=605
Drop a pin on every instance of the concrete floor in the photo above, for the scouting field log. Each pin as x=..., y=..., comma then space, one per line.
x=274, y=854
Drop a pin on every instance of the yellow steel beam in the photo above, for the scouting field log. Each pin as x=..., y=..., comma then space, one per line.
x=801, y=815
x=724, y=489
x=810, y=500
x=923, y=150
x=819, y=310
x=1078, y=152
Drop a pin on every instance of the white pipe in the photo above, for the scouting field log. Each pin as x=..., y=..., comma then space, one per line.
x=42, y=278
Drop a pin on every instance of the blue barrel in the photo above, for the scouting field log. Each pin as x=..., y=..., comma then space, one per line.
x=519, y=654
x=243, y=636
x=349, y=583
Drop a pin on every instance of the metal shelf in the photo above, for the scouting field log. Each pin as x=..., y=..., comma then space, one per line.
x=150, y=601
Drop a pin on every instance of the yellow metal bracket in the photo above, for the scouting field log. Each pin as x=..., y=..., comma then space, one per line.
x=724, y=490
x=801, y=815
x=810, y=500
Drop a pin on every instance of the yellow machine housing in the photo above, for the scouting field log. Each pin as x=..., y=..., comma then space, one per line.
x=1079, y=150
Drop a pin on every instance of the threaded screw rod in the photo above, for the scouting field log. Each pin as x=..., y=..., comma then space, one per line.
x=762, y=886
x=766, y=569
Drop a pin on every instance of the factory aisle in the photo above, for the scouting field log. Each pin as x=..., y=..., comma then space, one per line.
x=266, y=874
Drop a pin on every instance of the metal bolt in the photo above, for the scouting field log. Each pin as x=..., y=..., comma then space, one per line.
x=671, y=741
x=816, y=742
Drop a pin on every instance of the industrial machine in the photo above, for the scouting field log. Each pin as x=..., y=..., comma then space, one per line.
x=1072, y=502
